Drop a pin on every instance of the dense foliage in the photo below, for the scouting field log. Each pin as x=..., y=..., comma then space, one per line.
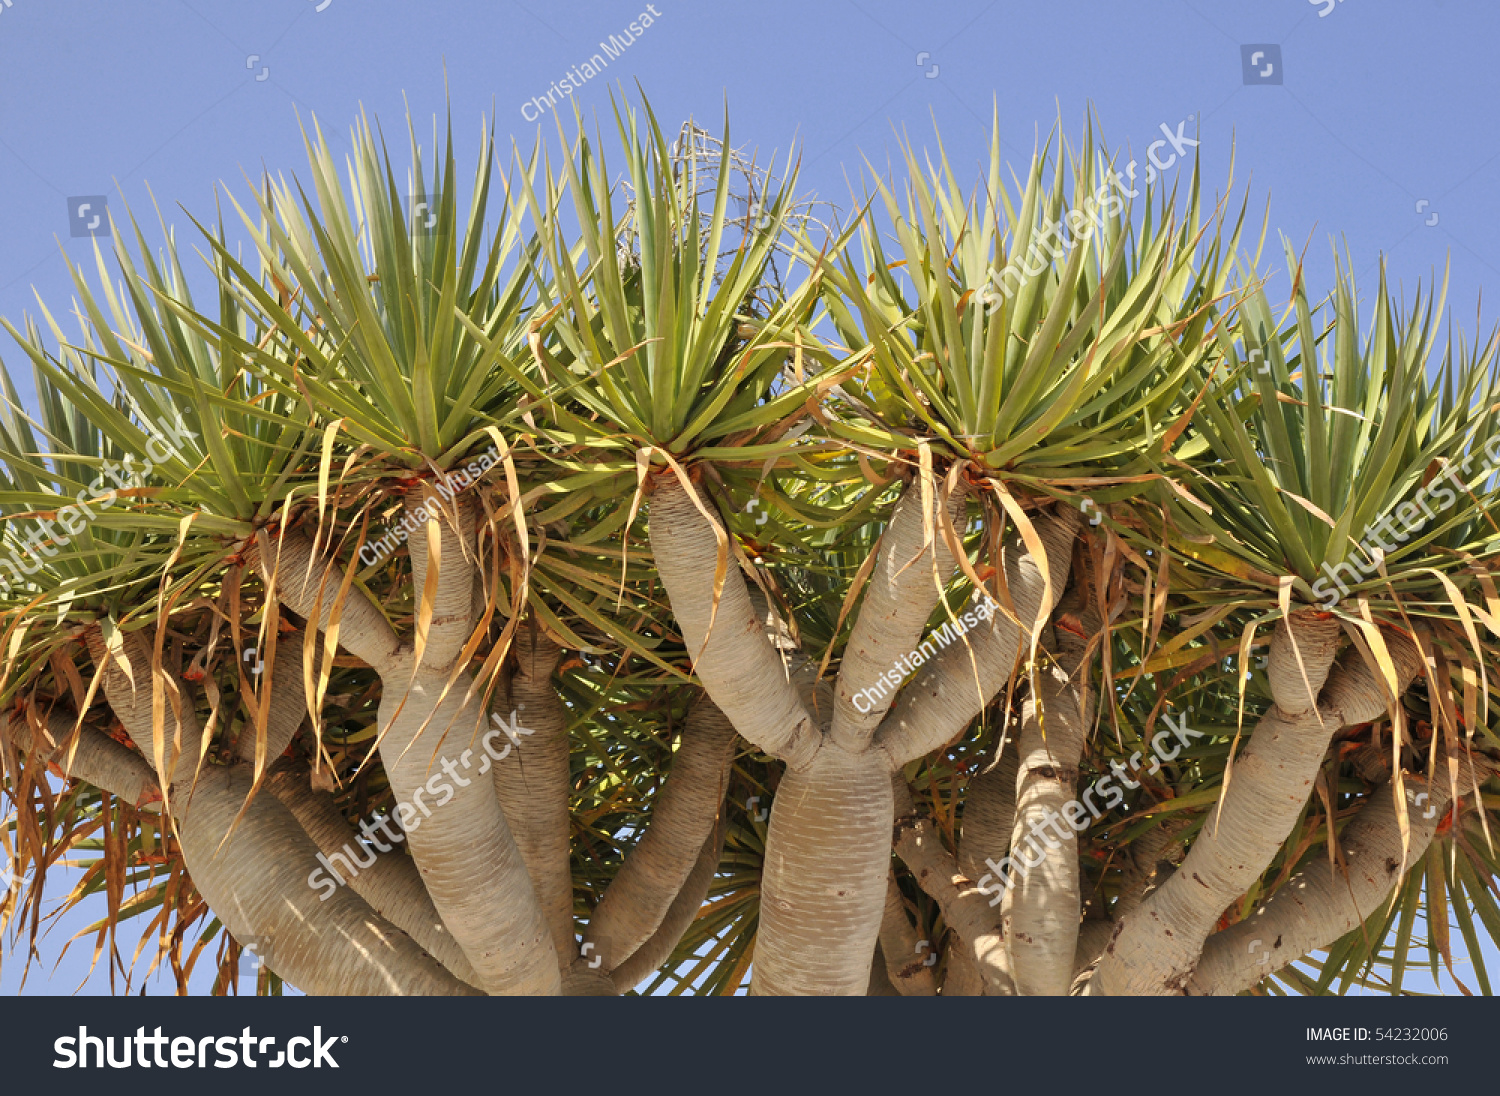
x=571, y=338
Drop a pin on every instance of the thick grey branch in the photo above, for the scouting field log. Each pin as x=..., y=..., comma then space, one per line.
x=742, y=671
x=1324, y=902
x=390, y=882
x=908, y=960
x=532, y=781
x=902, y=593
x=253, y=862
x=451, y=597
x=680, y=915
x=310, y=587
x=949, y=691
x=1158, y=946
x=97, y=759
x=682, y=819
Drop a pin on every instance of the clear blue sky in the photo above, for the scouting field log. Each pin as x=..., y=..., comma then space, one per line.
x=1383, y=104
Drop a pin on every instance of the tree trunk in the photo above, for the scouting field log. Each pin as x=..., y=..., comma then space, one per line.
x=823, y=887
x=533, y=782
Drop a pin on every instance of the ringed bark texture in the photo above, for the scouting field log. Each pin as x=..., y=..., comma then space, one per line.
x=1158, y=946
x=823, y=885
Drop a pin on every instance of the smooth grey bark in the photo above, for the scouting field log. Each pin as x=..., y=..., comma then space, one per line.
x=880, y=978
x=390, y=883
x=286, y=692
x=907, y=959
x=832, y=815
x=1324, y=902
x=827, y=854
x=1150, y=861
x=941, y=701
x=984, y=836
x=831, y=818
x=1040, y=910
x=953, y=688
x=256, y=883
x=173, y=747
x=95, y=759
x=310, y=586
x=966, y=906
x=1042, y=907
x=533, y=782
x=1093, y=938
x=1158, y=946
x=900, y=596
x=962, y=978
x=683, y=818
x=431, y=723
x=740, y=668
x=251, y=860
x=989, y=812
x=685, y=907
